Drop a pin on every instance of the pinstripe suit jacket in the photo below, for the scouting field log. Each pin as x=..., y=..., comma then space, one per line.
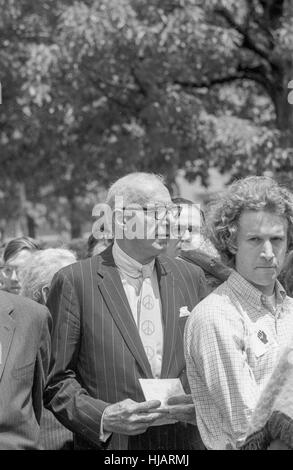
x=24, y=363
x=97, y=353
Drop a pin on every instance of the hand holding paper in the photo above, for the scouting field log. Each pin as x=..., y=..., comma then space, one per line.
x=181, y=408
x=175, y=404
x=129, y=417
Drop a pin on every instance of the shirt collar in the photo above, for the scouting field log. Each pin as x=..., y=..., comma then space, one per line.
x=128, y=265
x=250, y=293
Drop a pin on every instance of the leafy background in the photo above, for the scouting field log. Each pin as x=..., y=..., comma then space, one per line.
x=94, y=89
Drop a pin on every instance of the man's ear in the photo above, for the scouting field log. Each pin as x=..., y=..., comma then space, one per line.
x=44, y=294
x=118, y=215
x=232, y=247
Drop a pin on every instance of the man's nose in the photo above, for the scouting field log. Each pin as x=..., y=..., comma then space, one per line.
x=170, y=219
x=186, y=235
x=267, y=251
x=14, y=275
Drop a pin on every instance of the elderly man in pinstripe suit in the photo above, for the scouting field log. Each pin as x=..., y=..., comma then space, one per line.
x=100, y=346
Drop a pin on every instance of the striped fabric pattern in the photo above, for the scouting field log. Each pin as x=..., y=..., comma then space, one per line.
x=97, y=353
x=53, y=435
x=25, y=353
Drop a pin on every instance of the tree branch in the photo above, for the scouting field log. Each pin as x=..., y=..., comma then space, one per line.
x=243, y=73
x=248, y=42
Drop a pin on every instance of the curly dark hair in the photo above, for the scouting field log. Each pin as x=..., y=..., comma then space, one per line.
x=258, y=193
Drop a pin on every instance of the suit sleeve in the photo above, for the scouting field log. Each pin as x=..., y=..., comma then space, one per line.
x=203, y=289
x=64, y=394
x=42, y=362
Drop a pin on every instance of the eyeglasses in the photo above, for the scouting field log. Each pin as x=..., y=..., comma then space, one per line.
x=8, y=271
x=160, y=210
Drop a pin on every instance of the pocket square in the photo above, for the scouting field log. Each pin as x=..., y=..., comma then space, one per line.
x=184, y=312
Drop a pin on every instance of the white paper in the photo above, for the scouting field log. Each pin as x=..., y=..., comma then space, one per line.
x=161, y=389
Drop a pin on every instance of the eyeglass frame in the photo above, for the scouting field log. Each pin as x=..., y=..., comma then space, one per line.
x=6, y=267
x=168, y=208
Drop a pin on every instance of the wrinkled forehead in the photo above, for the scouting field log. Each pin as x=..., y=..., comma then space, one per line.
x=262, y=222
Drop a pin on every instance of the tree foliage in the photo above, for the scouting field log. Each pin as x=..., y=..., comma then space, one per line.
x=93, y=89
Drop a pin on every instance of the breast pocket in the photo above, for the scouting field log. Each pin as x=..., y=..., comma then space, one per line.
x=24, y=371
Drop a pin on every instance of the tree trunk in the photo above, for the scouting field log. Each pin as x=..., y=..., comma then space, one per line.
x=284, y=110
x=20, y=223
x=74, y=218
x=31, y=226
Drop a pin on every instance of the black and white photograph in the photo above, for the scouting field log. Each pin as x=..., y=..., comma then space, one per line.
x=146, y=228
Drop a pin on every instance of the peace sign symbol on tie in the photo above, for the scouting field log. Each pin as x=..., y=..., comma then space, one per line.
x=149, y=352
x=148, y=327
x=148, y=302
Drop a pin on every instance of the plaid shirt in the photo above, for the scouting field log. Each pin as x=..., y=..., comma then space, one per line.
x=232, y=341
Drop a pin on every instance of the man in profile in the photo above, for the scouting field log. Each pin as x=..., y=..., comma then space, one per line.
x=193, y=246
x=119, y=317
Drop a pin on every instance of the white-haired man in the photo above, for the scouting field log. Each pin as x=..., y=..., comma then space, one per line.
x=117, y=320
x=36, y=280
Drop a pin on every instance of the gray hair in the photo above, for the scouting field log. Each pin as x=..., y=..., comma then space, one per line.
x=41, y=268
x=135, y=188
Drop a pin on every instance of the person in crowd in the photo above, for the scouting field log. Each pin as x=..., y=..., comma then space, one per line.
x=97, y=245
x=40, y=269
x=6, y=273
x=78, y=246
x=36, y=282
x=24, y=362
x=233, y=337
x=286, y=275
x=15, y=256
x=192, y=244
x=271, y=426
x=118, y=317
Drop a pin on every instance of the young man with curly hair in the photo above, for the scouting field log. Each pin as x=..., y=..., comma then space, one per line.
x=234, y=336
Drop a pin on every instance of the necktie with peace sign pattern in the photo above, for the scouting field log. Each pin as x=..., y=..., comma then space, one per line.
x=150, y=322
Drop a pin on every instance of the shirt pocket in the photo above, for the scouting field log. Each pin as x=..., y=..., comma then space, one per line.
x=23, y=371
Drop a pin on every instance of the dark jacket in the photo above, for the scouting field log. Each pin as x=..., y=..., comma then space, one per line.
x=214, y=270
x=98, y=356
x=24, y=362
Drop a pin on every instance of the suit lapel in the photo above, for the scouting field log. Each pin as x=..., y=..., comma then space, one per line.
x=170, y=298
x=7, y=327
x=112, y=290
